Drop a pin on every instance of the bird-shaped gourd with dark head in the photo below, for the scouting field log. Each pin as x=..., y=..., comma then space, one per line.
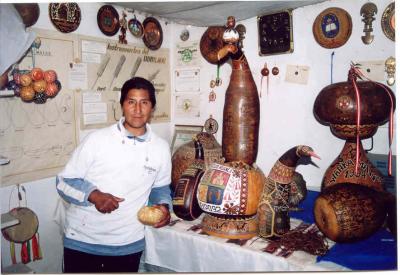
x=273, y=209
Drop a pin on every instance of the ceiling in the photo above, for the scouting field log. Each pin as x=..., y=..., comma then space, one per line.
x=208, y=13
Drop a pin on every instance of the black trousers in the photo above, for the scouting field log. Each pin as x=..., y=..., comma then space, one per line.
x=80, y=262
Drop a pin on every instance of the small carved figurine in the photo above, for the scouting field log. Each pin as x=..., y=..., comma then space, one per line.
x=124, y=25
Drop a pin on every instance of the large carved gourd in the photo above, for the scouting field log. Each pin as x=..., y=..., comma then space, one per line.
x=229, y=194
x=241, y=115
x=349, y=212
x=336, y=106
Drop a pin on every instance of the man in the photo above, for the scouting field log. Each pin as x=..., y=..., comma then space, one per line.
x=110, y=176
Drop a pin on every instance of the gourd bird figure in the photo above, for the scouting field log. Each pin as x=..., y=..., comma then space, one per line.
x=275, y=203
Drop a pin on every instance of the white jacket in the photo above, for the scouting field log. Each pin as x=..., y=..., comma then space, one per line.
x=123, y=167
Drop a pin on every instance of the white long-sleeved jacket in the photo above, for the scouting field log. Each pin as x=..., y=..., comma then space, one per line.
x=123, y=167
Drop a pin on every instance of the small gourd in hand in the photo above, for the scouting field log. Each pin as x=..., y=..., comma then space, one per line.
x=150, y=215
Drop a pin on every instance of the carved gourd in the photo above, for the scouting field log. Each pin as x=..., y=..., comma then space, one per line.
x=230, y=189
x=184, y=201
x=185, y=155
x=150, y=215
x=349, y=212
x=229, y=194
x=241, y=115
x=273, y=209
x=336, y=106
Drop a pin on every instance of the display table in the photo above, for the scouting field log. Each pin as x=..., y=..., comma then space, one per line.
x=183, y=248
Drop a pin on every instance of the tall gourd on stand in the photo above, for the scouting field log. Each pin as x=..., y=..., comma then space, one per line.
x=230, y=193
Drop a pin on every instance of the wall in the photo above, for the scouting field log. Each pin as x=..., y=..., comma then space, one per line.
x=286, y=112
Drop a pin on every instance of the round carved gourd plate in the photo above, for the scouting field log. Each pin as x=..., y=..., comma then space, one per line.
x=388, y=22
x=153, y=34
x=135, y=27
x=332, y=28
x=27, y=227
x=108, y=20
x=66, y=17
x=211, y=42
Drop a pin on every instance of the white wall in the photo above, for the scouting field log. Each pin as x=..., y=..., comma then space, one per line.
x=286, y=113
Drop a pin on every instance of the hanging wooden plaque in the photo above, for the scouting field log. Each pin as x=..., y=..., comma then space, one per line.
x=332, y=28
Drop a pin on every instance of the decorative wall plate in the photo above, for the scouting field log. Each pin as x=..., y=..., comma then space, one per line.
x=388, y=21
x=153, y=34
x=275, y=33
x=108, y=20
x=332, y=28
x=211, y=42
x=135, y=27
x=66, y=17
x=184, y=35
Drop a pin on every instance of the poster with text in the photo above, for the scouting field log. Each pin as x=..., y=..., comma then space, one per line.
x=110, y=64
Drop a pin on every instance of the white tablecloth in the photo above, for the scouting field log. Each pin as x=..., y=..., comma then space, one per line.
x=183, y=250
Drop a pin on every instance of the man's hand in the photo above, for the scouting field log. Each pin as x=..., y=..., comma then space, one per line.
x=167, y=216
x=104, y=202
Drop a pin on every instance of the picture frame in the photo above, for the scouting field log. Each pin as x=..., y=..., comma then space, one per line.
x=184, y=134
x=275, y=33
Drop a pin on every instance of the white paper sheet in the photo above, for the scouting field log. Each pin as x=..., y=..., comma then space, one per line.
x=77, y=76
x=91, y=57
x=94, y=47
x=98, y=118
x=187, y=80
x=297, y=74
x=91, y=97
x=91, y=108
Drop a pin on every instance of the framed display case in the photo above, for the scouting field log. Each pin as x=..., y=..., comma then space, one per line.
x=275, y=33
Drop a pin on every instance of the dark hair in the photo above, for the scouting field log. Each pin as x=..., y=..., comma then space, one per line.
x=138, y=83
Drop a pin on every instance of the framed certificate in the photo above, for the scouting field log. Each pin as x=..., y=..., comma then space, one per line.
x=183, y=134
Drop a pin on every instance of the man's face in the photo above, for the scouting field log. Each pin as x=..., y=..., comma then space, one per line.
x=137, y=109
